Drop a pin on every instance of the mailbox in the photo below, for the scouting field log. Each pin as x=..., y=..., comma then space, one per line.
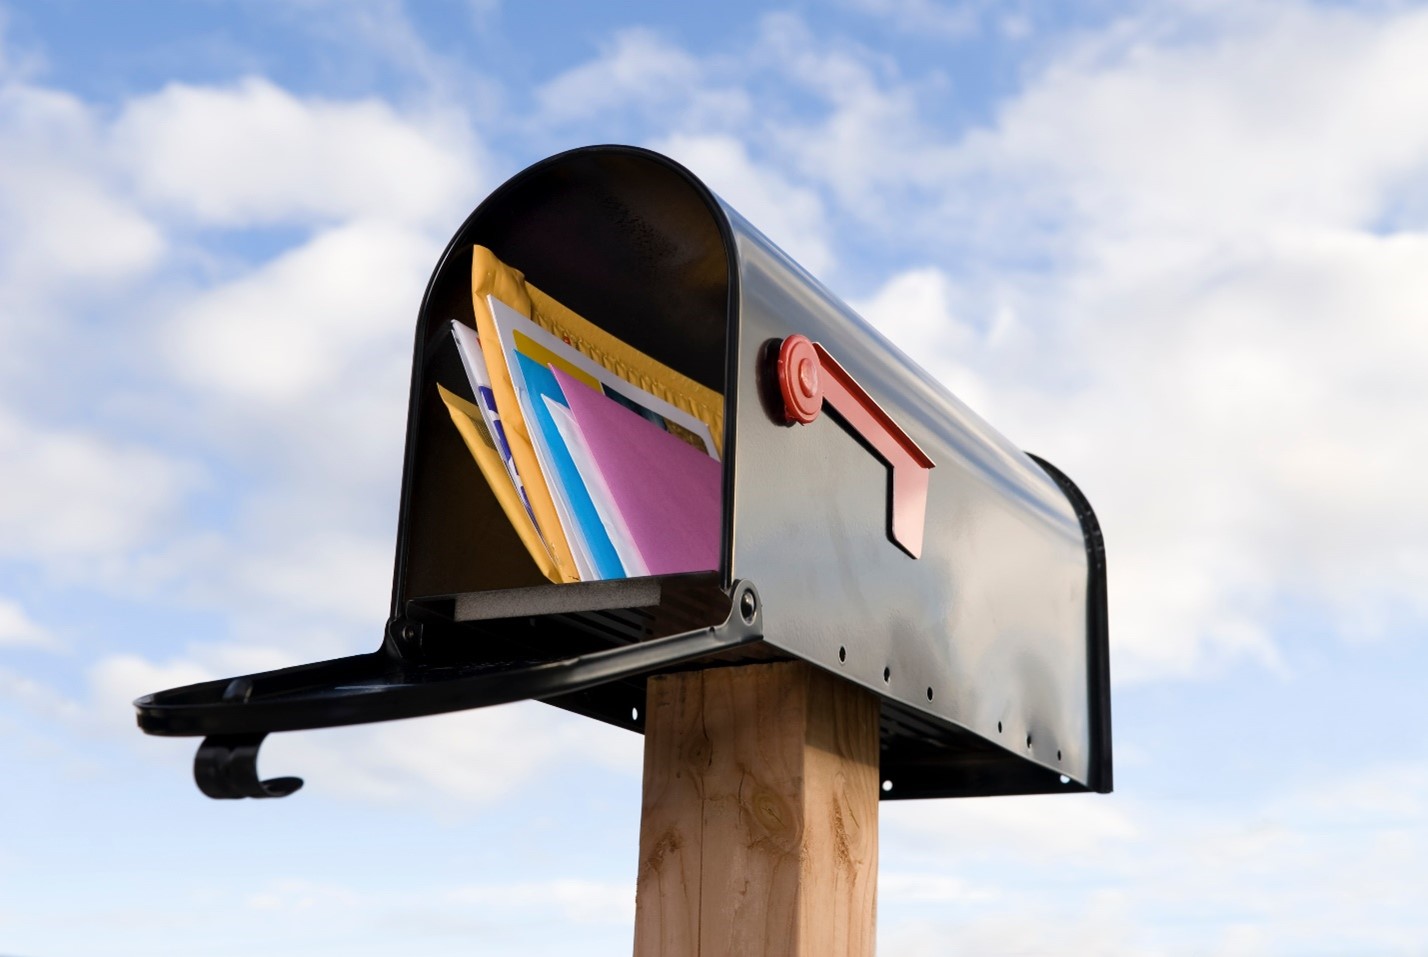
x=871, y=524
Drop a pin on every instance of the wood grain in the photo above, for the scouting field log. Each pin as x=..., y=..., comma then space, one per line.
x=758, y=834
x=671, y=824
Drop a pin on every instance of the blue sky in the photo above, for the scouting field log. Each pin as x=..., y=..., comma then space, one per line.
x=1180, y=249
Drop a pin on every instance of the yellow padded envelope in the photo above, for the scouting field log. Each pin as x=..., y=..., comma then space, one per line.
x=491, y=277
x=472, y=426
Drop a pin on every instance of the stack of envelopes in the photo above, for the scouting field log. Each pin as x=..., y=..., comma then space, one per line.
x=605, y=460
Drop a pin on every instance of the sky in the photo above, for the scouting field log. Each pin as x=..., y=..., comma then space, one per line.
x=1180, y=249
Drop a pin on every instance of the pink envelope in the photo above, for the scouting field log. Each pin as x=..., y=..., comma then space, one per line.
x=668, y=493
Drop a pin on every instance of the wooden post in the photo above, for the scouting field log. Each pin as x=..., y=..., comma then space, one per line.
x=759, y=829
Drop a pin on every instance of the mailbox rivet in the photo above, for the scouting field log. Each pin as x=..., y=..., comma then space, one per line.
x=409, y=639
x=807, y=377
x=748, y=605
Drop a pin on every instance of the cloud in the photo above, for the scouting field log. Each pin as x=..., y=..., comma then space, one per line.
x=116, y=680
x=1283, y=117
x=1105, y=931
x=292, y=370
x=37, y=697
x=296, y=374
x=864, y=131
x=454, y=763
x=71, y=494
x=1332, y=868
x=255, y=154
x=63, y=218
x=931, y=887
x=922, y=311
x=302, y=324
x=636, y=66
x=342, y=577
x=17, y=628
x=1048, y=827
x=577, y=900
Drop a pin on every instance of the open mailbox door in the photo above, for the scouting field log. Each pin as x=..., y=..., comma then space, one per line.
x=868, y=522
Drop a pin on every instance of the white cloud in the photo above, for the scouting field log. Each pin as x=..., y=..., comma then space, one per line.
x=308, y=321
x=70, y=494
x=62, y=218
x=921, y=312
x=1043, y=826
x=340, y=576
x=637, y=66
x=18, y=628
x=928, y=888
x=115, y=681
x=1221, y=118
x=1294, y=120
x=37, y=697
x=578, y=901
x=1334, y=868
x=1105, y=931
x=866, y=140
x=300, y=363
x=298, y=373
x=453, y=762
x=255, y=154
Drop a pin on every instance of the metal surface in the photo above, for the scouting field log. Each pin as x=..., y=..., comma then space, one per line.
x=987, y=630
x=988, y=651
x=383, y=686
x=809, y=378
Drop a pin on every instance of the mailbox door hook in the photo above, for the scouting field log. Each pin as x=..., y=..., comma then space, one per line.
x=226, y=766
x=808, y=379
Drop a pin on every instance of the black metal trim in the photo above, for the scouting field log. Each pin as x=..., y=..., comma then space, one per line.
x=1098, y=644
x=236, y=713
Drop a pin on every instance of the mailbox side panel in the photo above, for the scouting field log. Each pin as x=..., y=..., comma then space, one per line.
x=987, y=631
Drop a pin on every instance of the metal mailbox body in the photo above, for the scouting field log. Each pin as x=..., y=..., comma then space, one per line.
x=988, y=650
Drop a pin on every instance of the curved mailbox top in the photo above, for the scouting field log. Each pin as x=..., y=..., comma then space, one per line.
x=980, y=623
